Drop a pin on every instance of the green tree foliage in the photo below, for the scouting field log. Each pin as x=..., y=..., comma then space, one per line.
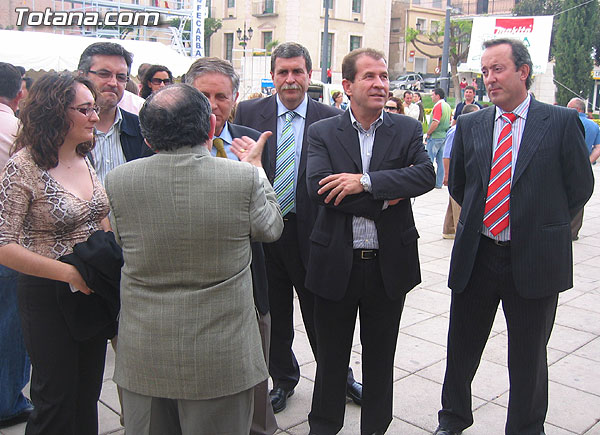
x=460, y=36
x=211, y=26
x=576, y=34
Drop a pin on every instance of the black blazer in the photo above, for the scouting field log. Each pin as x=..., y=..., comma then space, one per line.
x=399, y=168
x=132, y=141
x=257, y=267
x=551, y=183
x=261, y=114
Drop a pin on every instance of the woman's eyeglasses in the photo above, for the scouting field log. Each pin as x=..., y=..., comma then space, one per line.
x=87, y=111
x=390, y=108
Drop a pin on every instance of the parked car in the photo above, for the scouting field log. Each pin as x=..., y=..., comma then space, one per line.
x=407, y=81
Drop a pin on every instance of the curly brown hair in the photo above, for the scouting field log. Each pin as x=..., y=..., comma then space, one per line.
x=44, y=120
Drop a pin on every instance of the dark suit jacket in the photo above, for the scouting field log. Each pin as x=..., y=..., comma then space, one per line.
x=552, y=181
x=132, y=141
x=257, y=267
x=261, y=114
x=334, y=148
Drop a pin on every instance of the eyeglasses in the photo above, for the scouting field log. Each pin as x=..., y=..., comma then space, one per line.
x=156, y=81
x=87, y=111
x=390, y=108
x=104, y=74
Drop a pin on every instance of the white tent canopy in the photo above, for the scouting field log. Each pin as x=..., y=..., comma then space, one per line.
x=46, y=51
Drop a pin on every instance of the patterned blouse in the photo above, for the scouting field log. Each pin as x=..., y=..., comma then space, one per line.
x=37, y=212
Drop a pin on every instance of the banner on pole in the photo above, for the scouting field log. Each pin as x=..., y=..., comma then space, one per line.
x=198, y=15
x=534, y=32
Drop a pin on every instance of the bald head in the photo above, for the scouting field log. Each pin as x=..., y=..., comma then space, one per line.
x=577, y=104
x=175, y=117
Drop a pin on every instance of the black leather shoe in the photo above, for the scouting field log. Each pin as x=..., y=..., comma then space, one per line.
x=443, y=431
x=17, y=419
x=279, y=398
x=354, y=392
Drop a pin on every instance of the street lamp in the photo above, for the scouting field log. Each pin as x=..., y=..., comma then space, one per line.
x=245, y=37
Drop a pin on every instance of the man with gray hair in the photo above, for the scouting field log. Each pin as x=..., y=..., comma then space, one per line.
x=188, y=336
x=14, y=373
x=592, y=140
x=288, y=114
x=219, y=82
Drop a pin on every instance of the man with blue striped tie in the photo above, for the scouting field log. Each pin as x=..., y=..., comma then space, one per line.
x=520, y=171
x=288, y=114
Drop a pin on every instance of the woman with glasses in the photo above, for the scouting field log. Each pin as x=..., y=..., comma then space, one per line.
x=50, y=200
x=338, y=100
x=155, y=78
x=394, y=105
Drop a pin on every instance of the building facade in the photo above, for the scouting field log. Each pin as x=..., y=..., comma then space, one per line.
x=352, y=24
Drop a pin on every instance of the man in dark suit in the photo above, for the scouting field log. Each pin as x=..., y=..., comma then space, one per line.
x=118, y=135
x=363, y=167
x=291, y=69
x=219, y=82
x=520, y=171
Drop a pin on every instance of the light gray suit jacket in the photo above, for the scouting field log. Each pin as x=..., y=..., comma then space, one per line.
x=188, y=325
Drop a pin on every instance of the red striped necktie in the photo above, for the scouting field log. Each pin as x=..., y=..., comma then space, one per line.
x=497, y=204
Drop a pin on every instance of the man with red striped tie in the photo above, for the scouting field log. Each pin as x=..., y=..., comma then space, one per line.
x=520, y=171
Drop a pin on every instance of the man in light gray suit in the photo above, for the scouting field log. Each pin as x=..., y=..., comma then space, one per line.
x=188, y=335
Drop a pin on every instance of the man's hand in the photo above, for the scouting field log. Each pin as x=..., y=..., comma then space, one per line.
x=248, y=150
x=340, y=186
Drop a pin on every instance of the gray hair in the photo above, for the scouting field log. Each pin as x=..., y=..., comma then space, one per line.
x=174, y=117
x=577, y=104
x=287, y=50
x=206, y=65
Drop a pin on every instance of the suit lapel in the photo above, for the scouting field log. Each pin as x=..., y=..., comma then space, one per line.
x=535, y=129
x=312, y=116
x=483, y=138
x=383, y=142
x=348, y=138
x=269, y=118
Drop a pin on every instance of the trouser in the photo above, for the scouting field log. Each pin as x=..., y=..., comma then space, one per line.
x=576, y=224
x=14, y=361
x=379, y=323
x=435, y=151
x=228, y=415
x=451, y=218
x=529, y=323
x=67, y=374
x=263, y=420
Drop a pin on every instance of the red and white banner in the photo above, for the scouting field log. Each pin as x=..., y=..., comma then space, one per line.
x=535, y=33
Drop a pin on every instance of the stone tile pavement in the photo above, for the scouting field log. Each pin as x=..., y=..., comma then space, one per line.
x=573, y=357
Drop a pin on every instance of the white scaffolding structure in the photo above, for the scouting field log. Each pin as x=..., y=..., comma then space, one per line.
x=178, y=37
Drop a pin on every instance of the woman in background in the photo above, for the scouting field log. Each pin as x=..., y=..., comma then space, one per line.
x=338, y=100
x=155, y=78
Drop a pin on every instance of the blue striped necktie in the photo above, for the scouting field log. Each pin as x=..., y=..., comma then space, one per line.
x=284, y=165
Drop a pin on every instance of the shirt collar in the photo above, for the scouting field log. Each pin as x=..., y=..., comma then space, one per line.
x=115, y=125
x=300, y=110
x=226, y=134
x=359, y=127
x=521, y=110
x=7, y=109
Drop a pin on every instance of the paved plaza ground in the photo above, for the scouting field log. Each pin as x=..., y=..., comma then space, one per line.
x=573, y=354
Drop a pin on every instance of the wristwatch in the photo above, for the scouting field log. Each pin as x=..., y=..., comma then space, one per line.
x=364, y=182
